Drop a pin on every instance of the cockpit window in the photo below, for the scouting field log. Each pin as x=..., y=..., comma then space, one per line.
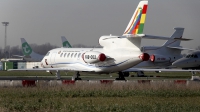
x=47, y=54
x=191, y=56
x=187, y=56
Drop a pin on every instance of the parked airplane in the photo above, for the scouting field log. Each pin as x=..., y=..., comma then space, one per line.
x=162, y=56
x=65, y=42
x=190, y=61
x=116, y=55
x=30, y=55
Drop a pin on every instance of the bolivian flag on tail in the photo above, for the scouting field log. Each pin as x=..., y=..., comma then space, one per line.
x=136, y=24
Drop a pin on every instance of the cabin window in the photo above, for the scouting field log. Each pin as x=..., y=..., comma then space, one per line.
x=48, y=54
x=68, y=55
x=61, y=54
x=75, y=55
x=79, y=55
x=65, y=54
x=72, y=55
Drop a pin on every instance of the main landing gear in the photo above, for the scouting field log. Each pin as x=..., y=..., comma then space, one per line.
x=57, y=74
x=140, y=74
x=76, y=76
x=121, y=75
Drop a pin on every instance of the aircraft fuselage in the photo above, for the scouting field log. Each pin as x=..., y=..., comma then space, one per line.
x=116, y=59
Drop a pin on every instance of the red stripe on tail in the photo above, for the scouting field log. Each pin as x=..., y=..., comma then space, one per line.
x=144, y=10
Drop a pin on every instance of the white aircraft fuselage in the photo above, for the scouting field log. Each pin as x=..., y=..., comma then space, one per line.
x=117, y=54
x=191, y=60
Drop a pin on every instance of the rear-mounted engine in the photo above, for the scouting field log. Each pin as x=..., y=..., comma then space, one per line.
x=144, y=57
x=93, y=57
x=159, y=58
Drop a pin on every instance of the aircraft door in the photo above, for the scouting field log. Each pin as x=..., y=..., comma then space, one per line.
x=52, y=59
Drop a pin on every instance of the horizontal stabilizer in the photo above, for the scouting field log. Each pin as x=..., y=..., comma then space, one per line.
x=163, y=38
x=144, y=36
x=181, y=48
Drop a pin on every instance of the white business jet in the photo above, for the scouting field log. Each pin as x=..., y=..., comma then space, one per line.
x=118, y=53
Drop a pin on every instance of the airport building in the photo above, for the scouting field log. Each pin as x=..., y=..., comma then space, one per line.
x=14, y=63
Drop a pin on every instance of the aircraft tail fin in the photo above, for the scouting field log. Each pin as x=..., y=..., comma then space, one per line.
x=177, y=34
x=136, y=24
x=26, y=48
x=65, y=42
x=29, y=54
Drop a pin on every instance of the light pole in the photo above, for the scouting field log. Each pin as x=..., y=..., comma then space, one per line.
x=5, y=24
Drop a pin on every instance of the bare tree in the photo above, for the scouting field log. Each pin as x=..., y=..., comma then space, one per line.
x=42, y=49
x=15, y=50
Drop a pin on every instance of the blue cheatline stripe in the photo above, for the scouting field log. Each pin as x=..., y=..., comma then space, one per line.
x=91, y=66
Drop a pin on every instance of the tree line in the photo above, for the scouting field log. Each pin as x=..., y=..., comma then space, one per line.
x=40, y=49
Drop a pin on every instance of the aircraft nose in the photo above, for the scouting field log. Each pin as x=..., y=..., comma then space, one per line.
x=180, y=63
x=176, y=63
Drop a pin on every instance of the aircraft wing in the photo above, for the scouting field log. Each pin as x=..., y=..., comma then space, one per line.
x=19, y=56
x=53, y=69
x=153, y=70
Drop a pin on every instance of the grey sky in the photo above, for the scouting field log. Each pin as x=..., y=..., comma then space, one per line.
x=84, y=21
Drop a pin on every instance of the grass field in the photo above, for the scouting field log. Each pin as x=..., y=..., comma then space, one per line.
x=119, y=97
x=122, y=97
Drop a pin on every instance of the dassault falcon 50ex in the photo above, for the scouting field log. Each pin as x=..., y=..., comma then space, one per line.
x=118, y=53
